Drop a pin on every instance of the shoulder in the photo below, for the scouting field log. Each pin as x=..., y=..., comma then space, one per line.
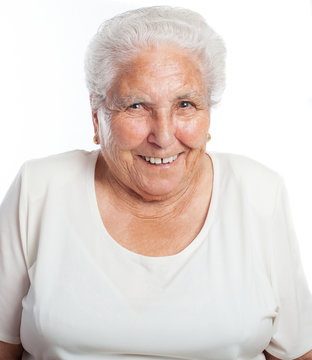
x=242, y=166
x=256, y=183
x=72, y=159
x=56, y=170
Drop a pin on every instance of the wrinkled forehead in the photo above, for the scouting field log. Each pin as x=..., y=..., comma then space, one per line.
x=157, y=73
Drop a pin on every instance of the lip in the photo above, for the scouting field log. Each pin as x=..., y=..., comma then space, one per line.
x=162, y=157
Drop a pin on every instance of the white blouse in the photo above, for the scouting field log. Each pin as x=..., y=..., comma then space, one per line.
x=69, y=291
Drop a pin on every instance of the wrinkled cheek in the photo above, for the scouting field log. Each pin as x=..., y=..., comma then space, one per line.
x=128, y=135
x=193, y=134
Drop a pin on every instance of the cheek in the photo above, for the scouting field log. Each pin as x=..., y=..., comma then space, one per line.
x=193, y=133
x=128, y=134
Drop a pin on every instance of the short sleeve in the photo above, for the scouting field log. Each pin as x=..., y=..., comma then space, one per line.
x=292, y=326
x=14, y=281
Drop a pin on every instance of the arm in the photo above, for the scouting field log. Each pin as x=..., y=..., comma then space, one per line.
x=292, y=326
x=10, y=351
x=14, y=280
x=307, y=356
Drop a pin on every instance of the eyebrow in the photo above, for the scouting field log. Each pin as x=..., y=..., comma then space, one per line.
x=129, y=99
x=191, y=95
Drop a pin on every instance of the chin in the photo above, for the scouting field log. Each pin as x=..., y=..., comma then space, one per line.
x=158, y=192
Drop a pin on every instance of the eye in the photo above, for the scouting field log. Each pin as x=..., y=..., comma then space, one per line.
x=185, y=104
x=135, y=106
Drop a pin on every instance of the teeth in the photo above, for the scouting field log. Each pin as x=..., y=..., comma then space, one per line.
x=167, y=160
x=158, y=161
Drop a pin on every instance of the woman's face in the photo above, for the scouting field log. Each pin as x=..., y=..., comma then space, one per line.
x=159, y=123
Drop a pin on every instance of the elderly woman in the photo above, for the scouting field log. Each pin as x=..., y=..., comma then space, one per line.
x=150, y=247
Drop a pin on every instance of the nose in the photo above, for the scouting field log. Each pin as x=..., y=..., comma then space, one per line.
x=162, y=129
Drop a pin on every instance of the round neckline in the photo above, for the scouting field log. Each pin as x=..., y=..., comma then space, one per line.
x=140, y=257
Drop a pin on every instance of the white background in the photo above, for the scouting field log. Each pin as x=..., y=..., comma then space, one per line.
x=266, y=111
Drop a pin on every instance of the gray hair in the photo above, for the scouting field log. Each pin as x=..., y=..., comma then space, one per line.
x=119, y=39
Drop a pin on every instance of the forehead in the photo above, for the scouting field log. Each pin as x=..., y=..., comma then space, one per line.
x=159, y=72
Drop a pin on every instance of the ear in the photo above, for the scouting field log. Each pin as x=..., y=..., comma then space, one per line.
x=208, y=116
x=94, y=118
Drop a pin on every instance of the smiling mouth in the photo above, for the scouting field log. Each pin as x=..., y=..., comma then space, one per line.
x=159, y=161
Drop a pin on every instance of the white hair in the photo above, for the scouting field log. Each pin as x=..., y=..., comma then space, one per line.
x=119, y=40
